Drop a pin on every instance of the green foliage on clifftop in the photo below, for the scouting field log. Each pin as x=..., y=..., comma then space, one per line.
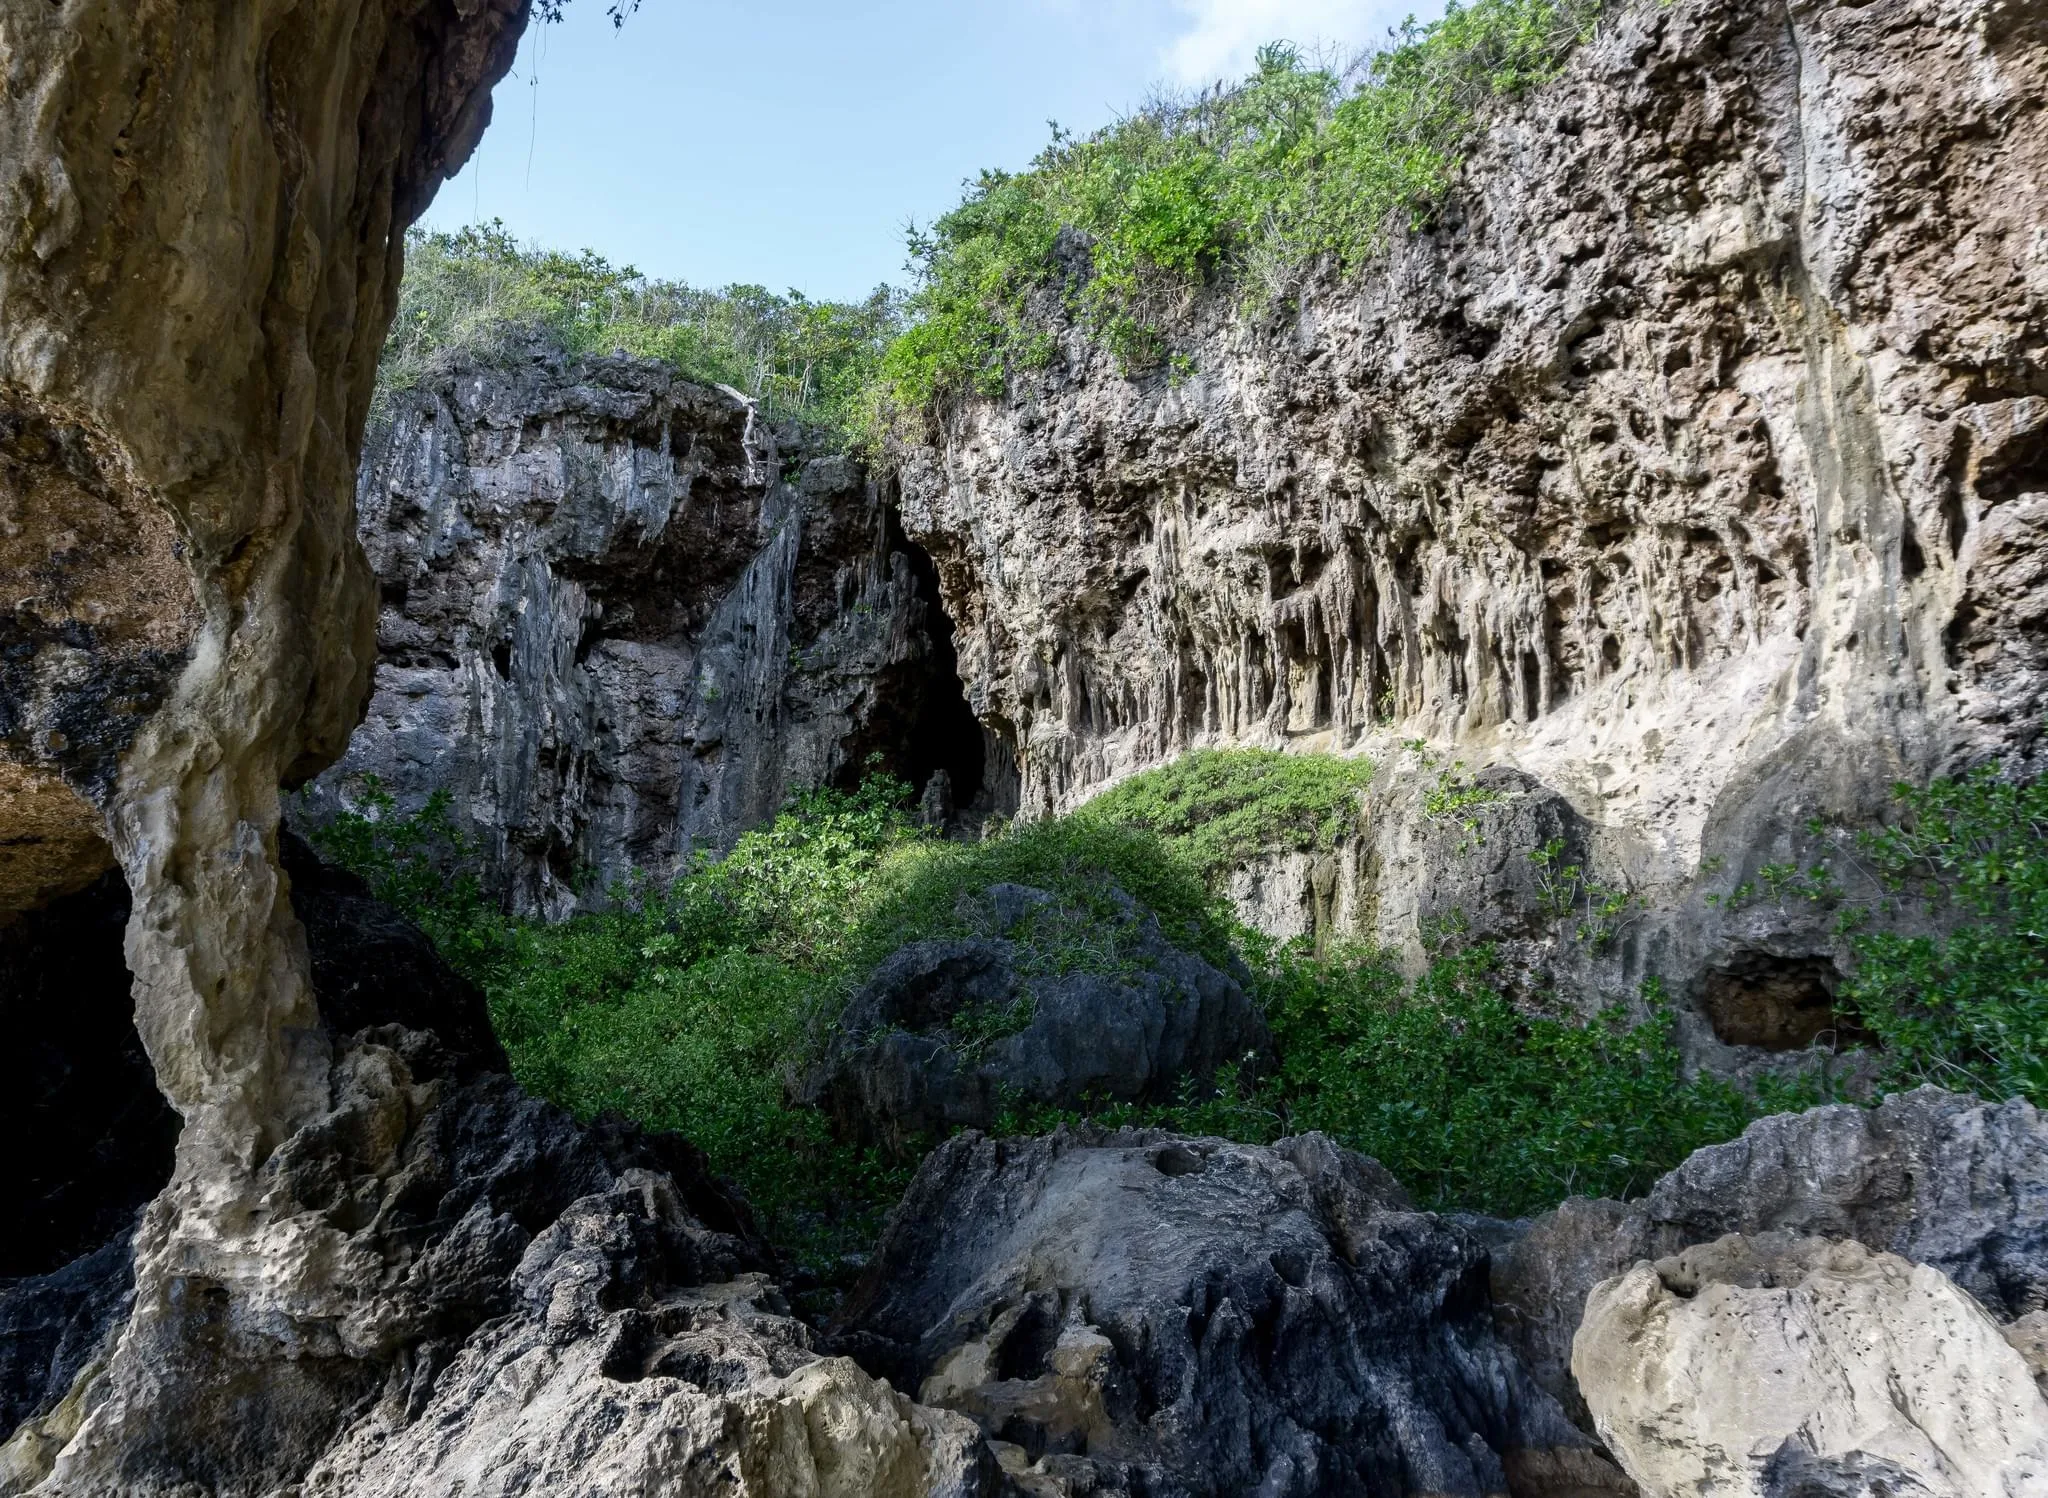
x=1297, y=163
x=478, y=294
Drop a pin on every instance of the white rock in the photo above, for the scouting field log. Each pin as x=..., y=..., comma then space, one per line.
x=1710, y=1373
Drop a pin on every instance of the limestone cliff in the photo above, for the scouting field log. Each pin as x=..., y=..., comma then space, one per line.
x=206, y=207
x=1693, y=461
x=625, y=616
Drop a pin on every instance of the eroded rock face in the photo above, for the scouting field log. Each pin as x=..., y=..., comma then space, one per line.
x=950, y=1034
x=1139, y=1312
x=1773, y=1366
x=208, y=210
x=625, y=617
x=1693, y=463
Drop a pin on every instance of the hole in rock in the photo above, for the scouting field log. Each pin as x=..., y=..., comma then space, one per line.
x=1775, y=1003
x=929, y=727
x=1178, y=1160
x=93, y=1136
x=1027, y=1351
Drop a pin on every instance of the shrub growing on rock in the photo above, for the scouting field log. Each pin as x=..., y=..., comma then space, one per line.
x=1221, y=808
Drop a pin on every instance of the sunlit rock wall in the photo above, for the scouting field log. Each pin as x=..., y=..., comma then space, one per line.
x=1694, y=460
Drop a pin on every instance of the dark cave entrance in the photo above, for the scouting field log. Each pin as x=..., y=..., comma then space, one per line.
x=934, y=729
x=94, y=1137
x=93, y=1141
x=1776, y=1003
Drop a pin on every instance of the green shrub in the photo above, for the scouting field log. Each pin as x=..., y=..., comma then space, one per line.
x=1472, y=1103
x=1967, y=1010
x=1246, y=183
x=1220, y=808
x=477, y=294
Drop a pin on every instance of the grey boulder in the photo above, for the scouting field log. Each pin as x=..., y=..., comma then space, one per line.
x=950, y=1033
x=1139, y=1312
x=1935, y=1177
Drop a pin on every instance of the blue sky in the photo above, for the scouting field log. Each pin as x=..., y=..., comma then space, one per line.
x=786, y=142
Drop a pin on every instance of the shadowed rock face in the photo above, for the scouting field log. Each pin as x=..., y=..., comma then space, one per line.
x=1142, y=1313
x=625, y=617
x=1695, y=461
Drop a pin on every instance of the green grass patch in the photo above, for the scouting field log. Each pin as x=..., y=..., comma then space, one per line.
x=1244, y=185
x=478, y=295
x=1222, y=808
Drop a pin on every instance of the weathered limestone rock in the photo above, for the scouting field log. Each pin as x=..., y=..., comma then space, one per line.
x=1760, y=1366
x=1930, y=1177
x=1694, y=462
x=502, y=1282
x=675, y=1394
x=1139, y=1312
x=624, y=617
x=207, y=207
x=949, y=1034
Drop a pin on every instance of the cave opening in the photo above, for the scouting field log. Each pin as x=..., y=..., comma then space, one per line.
x=94, y=1140
x=1776, y=1003
x=75, y=1083
x=935, y=729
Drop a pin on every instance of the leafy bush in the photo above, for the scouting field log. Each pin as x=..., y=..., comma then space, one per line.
x=691, y=1007
x=1294, y=164
x=478, y=294
x=1473, y=1103
x=1969, y=1009
x=1220, y=808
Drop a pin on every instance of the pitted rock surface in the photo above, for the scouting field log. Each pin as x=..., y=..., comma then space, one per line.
x=1694, y=460
x=1145, y=1313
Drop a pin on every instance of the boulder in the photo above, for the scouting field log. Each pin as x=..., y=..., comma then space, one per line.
x=1140, y=1312
x=950, y=1033
x=1770, y=1366
x=1933, y=1177
x=607, y=1379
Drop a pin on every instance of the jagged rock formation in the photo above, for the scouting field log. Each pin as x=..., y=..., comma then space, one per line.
x=1694, y=461
x=624, y=616
x=949, y=1034
x=1774, y=1366
x=610, y=1380
x=1143, y=1313
x=509, y=1298
x=207, y=209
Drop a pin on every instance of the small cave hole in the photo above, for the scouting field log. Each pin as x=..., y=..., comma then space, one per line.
x=1027, y=1351
x=931, y=730
x=1776, y=1003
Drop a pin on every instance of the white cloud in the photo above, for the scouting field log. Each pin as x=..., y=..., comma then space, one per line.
x=1219, y=38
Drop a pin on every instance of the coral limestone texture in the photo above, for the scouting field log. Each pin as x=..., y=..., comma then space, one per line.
x=1693, y=460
